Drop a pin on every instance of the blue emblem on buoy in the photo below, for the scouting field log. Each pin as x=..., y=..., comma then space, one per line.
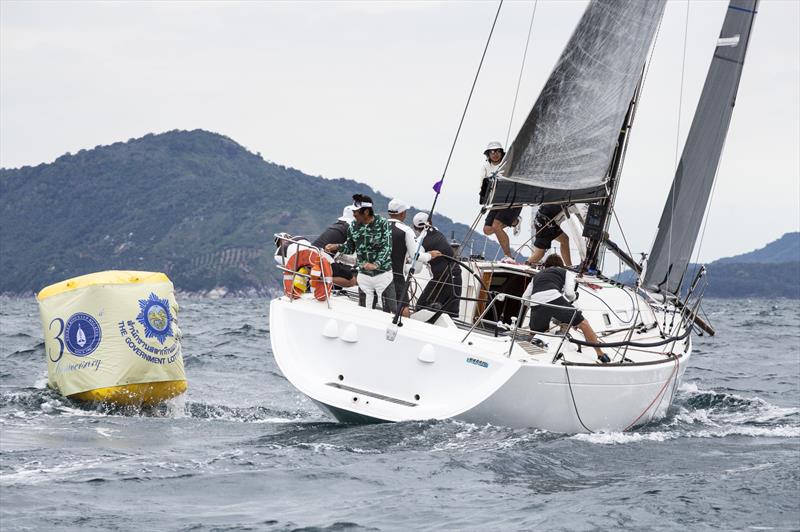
x=82, y=334
x=154, y=315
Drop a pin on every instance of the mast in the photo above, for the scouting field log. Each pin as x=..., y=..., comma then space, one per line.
x=598, y=217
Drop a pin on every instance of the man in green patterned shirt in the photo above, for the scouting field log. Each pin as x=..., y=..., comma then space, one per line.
x=370, y=236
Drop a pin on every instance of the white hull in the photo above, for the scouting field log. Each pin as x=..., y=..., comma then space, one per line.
x=339, y=357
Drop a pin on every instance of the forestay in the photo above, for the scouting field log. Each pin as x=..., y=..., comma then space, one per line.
x=563, y=150
x=694, y=178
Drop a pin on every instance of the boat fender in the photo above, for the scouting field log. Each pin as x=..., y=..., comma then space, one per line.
x=350, y=334
x=427, y=355
x=331, y=329
x=321, y=274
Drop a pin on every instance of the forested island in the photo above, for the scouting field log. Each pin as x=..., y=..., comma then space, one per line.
x=193, y=204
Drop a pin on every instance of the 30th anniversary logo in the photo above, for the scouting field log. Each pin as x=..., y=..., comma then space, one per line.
x=81, y=335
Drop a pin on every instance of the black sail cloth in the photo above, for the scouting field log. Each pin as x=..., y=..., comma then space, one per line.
x=563, y=150
x=694, y=178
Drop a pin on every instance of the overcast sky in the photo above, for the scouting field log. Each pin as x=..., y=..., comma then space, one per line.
x=373, y=91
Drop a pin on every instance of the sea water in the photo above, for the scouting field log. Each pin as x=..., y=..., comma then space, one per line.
x=243, y=450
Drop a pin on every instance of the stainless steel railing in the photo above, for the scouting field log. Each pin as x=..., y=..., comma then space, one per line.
x=303, y=244
x=515, y=328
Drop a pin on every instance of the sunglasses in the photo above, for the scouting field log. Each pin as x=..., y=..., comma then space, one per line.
x=495, y=151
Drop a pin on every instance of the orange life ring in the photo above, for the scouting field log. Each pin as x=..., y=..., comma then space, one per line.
x=321, y=274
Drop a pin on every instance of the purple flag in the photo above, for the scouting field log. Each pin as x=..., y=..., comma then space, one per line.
x=438, y=186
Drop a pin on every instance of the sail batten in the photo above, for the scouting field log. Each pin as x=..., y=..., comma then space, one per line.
x=567, y=141
x=694, y=178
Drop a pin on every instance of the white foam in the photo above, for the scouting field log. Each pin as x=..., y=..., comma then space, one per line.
x=613, y=438
x=29, y=474
x=41, y=383
x=780, y=431
x=104, y=432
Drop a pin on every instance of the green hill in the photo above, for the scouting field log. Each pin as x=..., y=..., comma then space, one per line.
x=784, y=250
x=193, y=204
x=771, y=271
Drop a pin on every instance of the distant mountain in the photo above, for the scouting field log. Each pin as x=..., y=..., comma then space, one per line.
x=771, y=271
x=193, y=204
x=785, y=249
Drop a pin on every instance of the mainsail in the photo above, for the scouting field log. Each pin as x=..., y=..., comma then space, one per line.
x=563, y=150
x=694, y=178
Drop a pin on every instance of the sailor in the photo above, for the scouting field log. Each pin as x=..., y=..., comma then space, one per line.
x=404, y=245
x=556, y=286
x=370, y=237
x=287, y=245
x=546, y=224
x=497, y=220
x=343, y=274
x=444, y=289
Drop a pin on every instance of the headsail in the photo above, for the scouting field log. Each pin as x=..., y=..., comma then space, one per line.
x=563, y=151
x=694, y=178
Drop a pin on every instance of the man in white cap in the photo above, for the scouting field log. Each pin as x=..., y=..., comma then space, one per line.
x=287, y=245
x=343, y=274
x=444, y=289
x=497, y=220
x=404, y=245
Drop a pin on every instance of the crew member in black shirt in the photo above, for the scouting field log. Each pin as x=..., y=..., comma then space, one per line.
x=444, y=288
x=555, y=286
x=343, y=275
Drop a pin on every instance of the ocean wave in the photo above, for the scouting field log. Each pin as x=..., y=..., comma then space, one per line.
x=36, y=350
x=248, y=414
x=710, y=414
x=615, y=438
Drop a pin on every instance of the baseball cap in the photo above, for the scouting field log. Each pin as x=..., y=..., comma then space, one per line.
x=420, y=219
x=347, y=214
x=396, y=206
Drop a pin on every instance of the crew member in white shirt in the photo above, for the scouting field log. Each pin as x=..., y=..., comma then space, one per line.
x=497, y=220
x=404, y=245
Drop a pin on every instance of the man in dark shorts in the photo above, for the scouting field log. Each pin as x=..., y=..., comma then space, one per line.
x=497, y=221
x=343, y=275
x=546, y=224
x=556, y=286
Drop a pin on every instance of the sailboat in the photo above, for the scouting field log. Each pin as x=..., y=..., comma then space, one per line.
x=484, y=366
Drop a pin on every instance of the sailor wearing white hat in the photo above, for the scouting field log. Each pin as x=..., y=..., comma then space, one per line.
x=444, y=289
x=404, y=245
x=343, y=273
x=498, y=220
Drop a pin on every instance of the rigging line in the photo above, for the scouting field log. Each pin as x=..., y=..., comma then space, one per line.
x=574, y=404
x=438, y=186
x=521, y=69
x=678, y=135
x=609, y=307
x=622, y=232
x=468, y=235
x=466, y=107
x=708, y=212
x=659, y=394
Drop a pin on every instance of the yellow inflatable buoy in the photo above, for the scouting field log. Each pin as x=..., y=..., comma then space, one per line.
x=113, y=337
